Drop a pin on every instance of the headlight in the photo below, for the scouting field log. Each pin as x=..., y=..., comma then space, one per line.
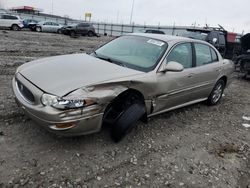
x=49, y=100
x=60, y=103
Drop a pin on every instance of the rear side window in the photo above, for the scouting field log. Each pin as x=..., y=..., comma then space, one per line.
x=9, y=17
x=182, y=54
x=203, y=54
x=214, y=55
x=148, y=31
x=55, y=24
x=212, y=35
x=84, y=25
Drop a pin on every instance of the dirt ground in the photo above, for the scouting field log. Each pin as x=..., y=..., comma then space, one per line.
x=196, y=146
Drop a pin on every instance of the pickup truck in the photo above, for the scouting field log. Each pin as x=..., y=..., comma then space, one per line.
x=225, y=42
x=243, y=61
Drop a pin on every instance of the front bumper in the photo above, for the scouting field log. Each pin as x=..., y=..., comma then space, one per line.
x=65, y=31
x=86, y=121
x=20, y=25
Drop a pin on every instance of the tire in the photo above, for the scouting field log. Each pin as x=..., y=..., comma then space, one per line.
x=127, y=120
x=216, y=94
x=72, y=33
x=91, y=34
x=38, y=29
x=15, y=27
x=243, y=69
x=59, y=31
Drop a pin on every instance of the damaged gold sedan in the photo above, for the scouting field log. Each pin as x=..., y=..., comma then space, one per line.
x=128, y=79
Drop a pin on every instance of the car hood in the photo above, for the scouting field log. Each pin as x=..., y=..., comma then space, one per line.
x=60, y=75
x=69, y=27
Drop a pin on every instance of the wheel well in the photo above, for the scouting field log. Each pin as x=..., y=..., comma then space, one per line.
x=224, y=78
x=14, y=25
x=132, y=92
x=120, y=103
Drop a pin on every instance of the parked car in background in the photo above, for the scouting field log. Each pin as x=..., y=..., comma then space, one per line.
x=3, y=11
x=11, y=21
x=225, y=42
x=79, y=29
x=30, y=24
x=47, y=26
x=133, y=77
x=154, y=31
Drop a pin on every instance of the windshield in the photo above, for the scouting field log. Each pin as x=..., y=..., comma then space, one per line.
x=135, y=52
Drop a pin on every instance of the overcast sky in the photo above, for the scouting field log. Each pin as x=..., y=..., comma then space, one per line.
x=231, y=14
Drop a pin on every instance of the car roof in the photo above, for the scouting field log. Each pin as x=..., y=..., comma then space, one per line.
x=47, y=21
x=166, y=38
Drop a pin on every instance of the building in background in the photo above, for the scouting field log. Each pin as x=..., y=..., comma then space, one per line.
x=26, y=10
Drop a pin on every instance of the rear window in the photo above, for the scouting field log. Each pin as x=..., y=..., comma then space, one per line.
x=84, y=25
x=222, y=39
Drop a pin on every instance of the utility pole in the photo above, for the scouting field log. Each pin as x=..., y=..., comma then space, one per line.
x=52, y=7
x=132, y=10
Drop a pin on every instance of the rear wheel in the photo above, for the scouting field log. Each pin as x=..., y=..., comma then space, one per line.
x=15, y=27
x=59, y=31
x=217, y=92
x=90, y=34
x=38, y=29
x=127, y=120
x=72, y=33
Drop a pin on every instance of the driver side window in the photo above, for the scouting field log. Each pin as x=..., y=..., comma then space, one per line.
x=182, y=54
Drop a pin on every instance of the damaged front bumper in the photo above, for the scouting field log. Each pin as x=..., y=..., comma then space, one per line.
x=71, y=122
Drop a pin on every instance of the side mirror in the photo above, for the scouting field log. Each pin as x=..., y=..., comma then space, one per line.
x=215, y=40
x=172, y=66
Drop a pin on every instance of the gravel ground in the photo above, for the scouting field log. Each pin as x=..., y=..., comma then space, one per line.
x=196, y=146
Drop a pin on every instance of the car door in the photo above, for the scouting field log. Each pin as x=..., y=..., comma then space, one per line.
x=58, y=26
x=176, y=87
x=207, y=69
x=6, y=22
x=50, y=27
x=55, y=27
x=84, y=28
x=46, y=26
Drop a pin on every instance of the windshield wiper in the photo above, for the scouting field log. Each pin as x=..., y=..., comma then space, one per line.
x=109, y=59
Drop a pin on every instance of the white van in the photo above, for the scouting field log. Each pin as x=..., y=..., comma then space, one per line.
x=10, y=21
